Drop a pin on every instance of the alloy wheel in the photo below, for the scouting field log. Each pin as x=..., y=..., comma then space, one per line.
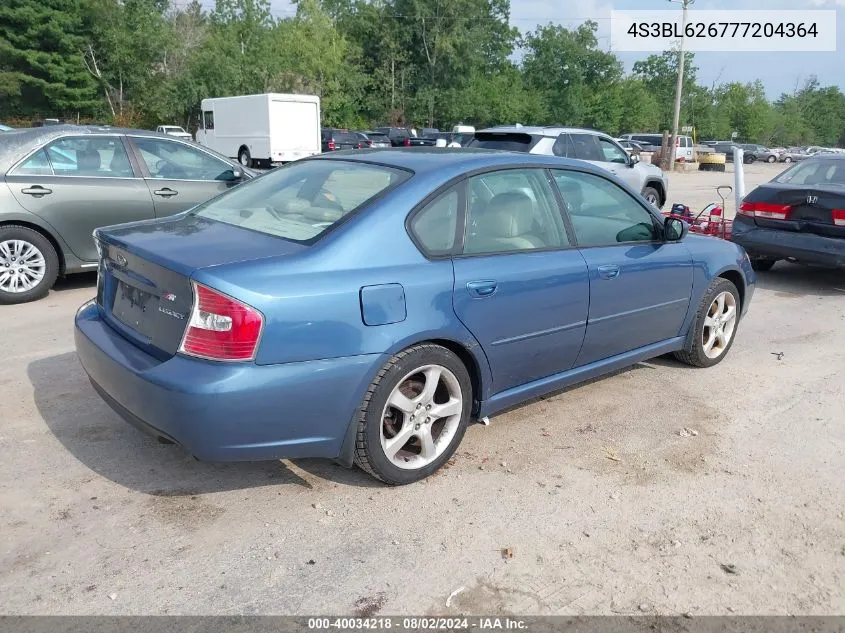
x=421, y=417
x=22, y=266
x=719, y=325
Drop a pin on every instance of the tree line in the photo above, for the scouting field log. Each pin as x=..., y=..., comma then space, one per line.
x=143, y=63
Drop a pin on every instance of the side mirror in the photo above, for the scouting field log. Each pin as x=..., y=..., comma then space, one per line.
x=237, y=173
x=633, y=160
x=674, y=230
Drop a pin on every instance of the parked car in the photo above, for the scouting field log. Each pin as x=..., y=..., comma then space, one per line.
x=684, y=146
x=631, y=147
x=397, y=135
x=754, y=152
x=5, y=128
x=728, y=150
x=62, y=182
x=799, y=216
x=337, y=139
x=588, y=145
x=794, y=155
x=348, y=275
x=376, y=140
x=429, y=132
x=174, y=130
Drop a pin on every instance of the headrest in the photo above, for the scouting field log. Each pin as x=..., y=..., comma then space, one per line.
x=87, y=160
x=509, y=214
x=119, y=163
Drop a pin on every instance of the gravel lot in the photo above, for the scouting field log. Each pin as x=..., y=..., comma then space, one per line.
x=661, y=489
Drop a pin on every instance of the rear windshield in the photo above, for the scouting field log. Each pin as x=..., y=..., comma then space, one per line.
x=829, y=171
x=302, y=200
x=510, y=141
x=381, y=138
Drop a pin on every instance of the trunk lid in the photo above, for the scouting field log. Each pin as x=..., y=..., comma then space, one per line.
x=144, y=276
x=811, y=210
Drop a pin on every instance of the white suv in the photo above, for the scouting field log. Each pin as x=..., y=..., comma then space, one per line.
x=587, y=145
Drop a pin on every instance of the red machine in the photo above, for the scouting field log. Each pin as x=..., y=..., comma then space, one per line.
x=710, y=220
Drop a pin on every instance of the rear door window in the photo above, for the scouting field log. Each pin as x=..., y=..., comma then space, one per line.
x=586, y=147
x=90, y=156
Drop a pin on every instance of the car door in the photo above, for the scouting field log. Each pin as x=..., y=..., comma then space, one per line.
x=640, y=286
x=178, y=175
x=520, y=287
x=81, y=183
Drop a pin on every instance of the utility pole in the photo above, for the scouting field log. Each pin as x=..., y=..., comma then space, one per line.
x=680, y=87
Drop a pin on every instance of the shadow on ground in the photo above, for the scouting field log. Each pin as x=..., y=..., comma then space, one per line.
x=110, y=447
x=795, y=279
x=73, y=282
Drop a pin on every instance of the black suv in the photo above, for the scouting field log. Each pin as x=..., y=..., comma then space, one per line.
x=336, y=139
x=399, y=136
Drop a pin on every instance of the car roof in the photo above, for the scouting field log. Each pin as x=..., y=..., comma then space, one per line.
x=446, y=161
x=15, y=144
x=541, y=130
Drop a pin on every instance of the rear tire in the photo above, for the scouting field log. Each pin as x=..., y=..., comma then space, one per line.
x=402, y=404
x=244, y=157
x=788, y=159
x=29, y=265
x=713, y=329
x=762, y=264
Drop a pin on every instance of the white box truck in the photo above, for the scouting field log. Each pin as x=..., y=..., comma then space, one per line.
x=261, y=129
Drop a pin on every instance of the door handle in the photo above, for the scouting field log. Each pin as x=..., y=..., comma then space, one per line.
x=609, y=272
x=165, y=193
x=481, y=288
x=37, y=191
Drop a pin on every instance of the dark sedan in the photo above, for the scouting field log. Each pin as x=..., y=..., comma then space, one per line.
x=62, y=182
x=799, y=216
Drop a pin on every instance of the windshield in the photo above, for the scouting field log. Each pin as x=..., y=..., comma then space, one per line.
x=829, y=171
x=304, y=199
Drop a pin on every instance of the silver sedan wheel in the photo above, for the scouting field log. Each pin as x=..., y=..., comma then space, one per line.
x=652, y=199
x=719, y=325
x=22, y=266
x=421, y=417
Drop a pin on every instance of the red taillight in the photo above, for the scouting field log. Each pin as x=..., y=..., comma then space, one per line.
x=765, y=210
x=221, y=328
x=407, y=142
x=839, y=217
x=331, y=146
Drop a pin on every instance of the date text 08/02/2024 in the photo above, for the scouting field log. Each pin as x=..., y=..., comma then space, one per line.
x=480, y=623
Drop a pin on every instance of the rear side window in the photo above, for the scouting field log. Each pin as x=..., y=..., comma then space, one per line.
x=36, y=165
x=435, y=226
x=301, y=201
x=508, y=141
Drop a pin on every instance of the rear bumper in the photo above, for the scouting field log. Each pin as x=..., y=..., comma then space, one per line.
x=226, y=411
x=807, y=248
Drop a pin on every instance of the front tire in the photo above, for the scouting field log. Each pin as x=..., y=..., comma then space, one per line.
x=771, y=159
x=652, y=196
x=414, y=415
x=788, y=159
x=29, y=265
x=714, y=327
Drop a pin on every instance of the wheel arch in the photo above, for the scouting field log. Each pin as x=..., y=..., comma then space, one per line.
x=657, y=184
x=737, y=279
x=46, y=233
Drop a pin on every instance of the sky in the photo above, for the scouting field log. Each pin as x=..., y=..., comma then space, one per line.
x=779, y=72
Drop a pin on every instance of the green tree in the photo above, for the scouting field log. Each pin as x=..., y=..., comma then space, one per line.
x=41, y=68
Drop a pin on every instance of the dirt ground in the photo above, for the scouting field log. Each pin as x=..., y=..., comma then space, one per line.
x=661, y=489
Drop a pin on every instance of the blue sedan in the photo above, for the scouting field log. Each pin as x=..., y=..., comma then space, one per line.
x=367, y=307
